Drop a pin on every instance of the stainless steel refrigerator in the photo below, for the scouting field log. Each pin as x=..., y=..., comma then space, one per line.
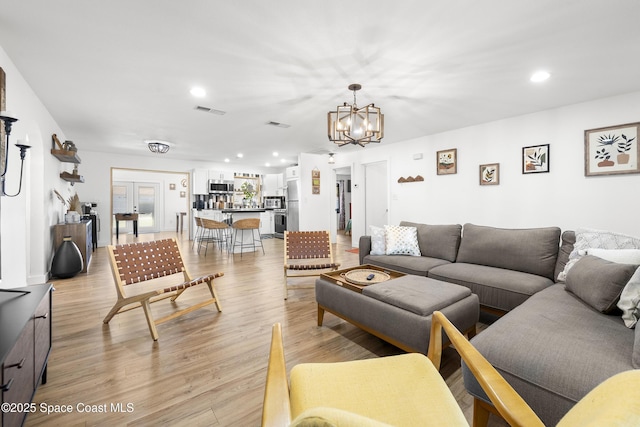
x=293, y=205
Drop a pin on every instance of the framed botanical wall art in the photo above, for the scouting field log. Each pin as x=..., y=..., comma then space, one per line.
x=315, y=181
x=612, y=150
x=447, y=162
x=535, y=159
x=490, y=174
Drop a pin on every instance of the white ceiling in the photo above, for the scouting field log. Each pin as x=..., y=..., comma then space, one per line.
x=115, y=73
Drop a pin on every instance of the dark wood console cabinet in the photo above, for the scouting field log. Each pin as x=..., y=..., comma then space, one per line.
x=25, y=343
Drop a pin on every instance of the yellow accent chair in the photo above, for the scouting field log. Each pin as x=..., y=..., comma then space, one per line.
x=408, y=390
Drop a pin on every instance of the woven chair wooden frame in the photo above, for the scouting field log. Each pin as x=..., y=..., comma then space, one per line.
x=307, y=253
x=138, y=262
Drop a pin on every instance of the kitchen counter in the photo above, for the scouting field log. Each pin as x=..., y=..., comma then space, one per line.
x=247, y=210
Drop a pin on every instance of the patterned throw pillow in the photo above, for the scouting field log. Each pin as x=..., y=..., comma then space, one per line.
x=589, y=238
x=378, y=244
x=402, y=240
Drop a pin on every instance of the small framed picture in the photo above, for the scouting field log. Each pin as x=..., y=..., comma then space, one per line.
x=490, y=174
x=447, y=162
x=183, y=194
x=172, y=186
x=612, y=150
x=535, y=159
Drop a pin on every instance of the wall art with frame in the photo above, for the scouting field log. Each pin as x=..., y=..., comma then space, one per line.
x=535, y=159
x=490, y=174
x=612, y=150
x=447, y=162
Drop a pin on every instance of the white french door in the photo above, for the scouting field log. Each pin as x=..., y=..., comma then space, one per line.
x=138, y=197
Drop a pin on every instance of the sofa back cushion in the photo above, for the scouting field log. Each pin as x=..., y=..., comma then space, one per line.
x=532, y=250
x=437, y=241
x=566, y=246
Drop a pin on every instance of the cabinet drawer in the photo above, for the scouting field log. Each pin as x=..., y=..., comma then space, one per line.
x=42, y=341
x=17, y=369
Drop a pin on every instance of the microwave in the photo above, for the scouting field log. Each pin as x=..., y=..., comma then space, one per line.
x=273, y=203
x=216, y=186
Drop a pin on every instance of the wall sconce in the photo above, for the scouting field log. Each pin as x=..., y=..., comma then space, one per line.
x=332, y=159
x=9, y=120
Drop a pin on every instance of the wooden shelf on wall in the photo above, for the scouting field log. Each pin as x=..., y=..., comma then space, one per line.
x=66, y=156
x=417, y=178
x=71, y=177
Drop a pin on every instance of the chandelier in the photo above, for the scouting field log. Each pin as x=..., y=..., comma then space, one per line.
x=352, y=125
x=158, y=147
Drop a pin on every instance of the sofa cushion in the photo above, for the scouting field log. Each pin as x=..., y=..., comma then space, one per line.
x=417, y=294
x=568, y=239
x=589, y=238
x=496, y=287
x=533, y=250
x=378, y=241
x=635, y=358
x=629, y=301
x=553, y=350
x=401, y=240
x=599, y=282
x=437, y=241
x=415, y=265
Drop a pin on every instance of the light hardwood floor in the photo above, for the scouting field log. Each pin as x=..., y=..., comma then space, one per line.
x=207, y=368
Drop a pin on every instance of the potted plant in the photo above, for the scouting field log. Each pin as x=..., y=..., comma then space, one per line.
x=73, y=207
x=604, y=156
x=247, y=189
x=623, y=147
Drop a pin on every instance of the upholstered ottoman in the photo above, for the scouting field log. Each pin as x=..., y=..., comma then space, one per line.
x=399, y=310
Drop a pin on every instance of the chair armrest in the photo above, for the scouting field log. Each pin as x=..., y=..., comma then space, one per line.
x=505, y=399
x=276, y=409
x=364, y=247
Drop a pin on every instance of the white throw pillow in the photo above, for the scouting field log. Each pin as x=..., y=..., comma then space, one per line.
x=588, y=238
x=402, y=240
x=378, y=244
x=630, y=296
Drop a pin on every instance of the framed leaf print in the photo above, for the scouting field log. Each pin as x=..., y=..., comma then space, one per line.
x=535, y=159
x=612, y=150
x=490, y=174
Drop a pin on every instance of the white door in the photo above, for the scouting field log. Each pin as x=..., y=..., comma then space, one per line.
x=376, y=195
x=138, y=197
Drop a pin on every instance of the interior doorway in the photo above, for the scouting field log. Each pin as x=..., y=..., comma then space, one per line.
x=159, y=197
x=376, y=195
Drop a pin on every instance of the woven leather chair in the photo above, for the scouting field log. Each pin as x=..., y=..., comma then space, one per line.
x=307, y=253
x=408, y=390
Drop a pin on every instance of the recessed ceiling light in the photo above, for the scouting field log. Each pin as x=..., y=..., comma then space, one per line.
x=227, y=160
x=267, y=164
x=283, y=160
x=275, y=154
x=239, y=155
x=198, y=92
x=540, y=76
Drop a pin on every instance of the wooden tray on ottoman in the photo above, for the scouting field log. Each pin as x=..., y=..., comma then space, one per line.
x=353, y=282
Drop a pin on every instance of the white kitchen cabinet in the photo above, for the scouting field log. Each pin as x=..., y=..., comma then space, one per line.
x=220, y=175
x=200, y=181
x=272, y=185
x=267, y=225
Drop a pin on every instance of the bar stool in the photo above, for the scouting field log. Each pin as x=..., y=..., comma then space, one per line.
x=214, y=232
x=249, y=224
x=197, y=235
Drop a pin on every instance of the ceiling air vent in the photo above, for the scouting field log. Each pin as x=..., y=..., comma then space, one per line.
x=210, y=110
x=277, y=124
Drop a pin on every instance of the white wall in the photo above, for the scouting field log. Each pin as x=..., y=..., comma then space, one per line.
x=563, y=197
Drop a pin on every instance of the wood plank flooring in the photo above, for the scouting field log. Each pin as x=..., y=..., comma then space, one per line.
x=207, y=368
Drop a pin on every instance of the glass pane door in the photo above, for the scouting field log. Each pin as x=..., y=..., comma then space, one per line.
x=146, y=200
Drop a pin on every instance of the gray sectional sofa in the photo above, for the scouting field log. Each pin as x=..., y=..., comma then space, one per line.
x=551, y=345
x=503, y=267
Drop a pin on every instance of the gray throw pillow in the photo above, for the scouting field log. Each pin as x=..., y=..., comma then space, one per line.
x=599, y=282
